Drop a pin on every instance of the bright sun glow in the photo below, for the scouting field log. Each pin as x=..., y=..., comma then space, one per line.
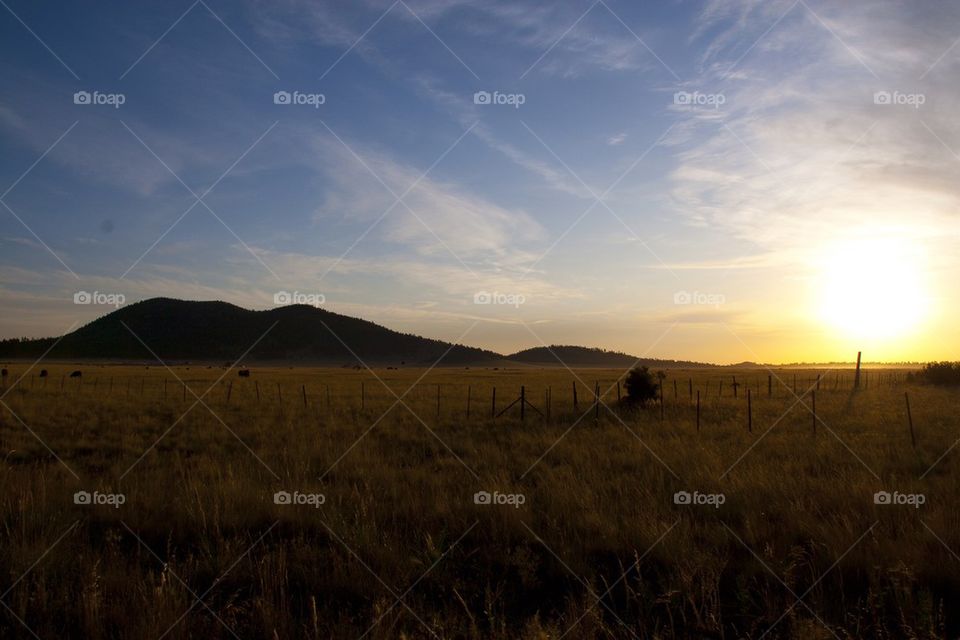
x=873, y=288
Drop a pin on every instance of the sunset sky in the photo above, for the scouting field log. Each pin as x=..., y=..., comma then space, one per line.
x=718, y=181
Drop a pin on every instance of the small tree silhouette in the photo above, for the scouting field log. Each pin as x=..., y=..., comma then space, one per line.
x=641, y=386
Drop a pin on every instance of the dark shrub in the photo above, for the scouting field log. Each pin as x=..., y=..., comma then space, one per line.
x=945, y=373
x=641, y=386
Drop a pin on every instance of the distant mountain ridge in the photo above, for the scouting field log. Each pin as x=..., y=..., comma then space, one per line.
x=571, y=355
x=180, y=330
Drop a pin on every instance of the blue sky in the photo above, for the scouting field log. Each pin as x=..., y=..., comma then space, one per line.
x=589, y=208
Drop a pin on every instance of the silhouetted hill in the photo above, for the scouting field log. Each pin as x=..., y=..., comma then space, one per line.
x=219, y=331
x=574, y=356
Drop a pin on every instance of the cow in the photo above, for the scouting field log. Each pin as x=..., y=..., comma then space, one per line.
x=43, y=373
x=76, y=374
x=244, y=373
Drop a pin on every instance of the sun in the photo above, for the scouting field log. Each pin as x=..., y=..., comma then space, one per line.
x=873, y=288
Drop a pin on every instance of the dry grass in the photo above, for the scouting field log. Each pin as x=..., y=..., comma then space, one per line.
x=598, y=549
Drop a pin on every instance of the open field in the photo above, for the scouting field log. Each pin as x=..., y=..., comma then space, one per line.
x=389, y=541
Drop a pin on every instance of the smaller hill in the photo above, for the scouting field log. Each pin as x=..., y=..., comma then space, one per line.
x=574, y=356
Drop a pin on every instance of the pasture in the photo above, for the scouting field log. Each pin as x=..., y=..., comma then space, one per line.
x=142, y=502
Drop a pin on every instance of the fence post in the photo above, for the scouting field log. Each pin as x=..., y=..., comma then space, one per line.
x=303, y=389
x=438, y=400
x=749, y=413
x=596, y=402
x=523, y=403
x=256, y=385
x=468, y=401
x=229, y=390
x=769, y=386
x=279, y=395
x=575, y=404
x=493, y=402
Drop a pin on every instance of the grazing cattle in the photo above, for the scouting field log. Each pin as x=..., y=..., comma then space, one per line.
x=43, y=373
x=244, y=373
x=76, y=374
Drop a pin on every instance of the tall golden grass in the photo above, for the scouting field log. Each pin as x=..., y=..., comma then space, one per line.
x=400, y=548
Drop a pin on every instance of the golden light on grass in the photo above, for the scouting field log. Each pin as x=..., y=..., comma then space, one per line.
x=873, y=288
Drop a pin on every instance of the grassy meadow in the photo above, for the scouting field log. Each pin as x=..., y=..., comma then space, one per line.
x=385, y=536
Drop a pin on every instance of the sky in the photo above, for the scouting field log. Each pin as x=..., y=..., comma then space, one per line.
x=717, y=181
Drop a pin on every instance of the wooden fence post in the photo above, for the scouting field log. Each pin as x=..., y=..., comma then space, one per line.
x=493, y=402
x=256, y=385
x=575, y=405
x=523, y=403
x=749, y=413
x=303, y=389
x=468, y=402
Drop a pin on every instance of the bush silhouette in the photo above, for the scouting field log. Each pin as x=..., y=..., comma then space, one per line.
x=641, y=386
x=940, y=373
